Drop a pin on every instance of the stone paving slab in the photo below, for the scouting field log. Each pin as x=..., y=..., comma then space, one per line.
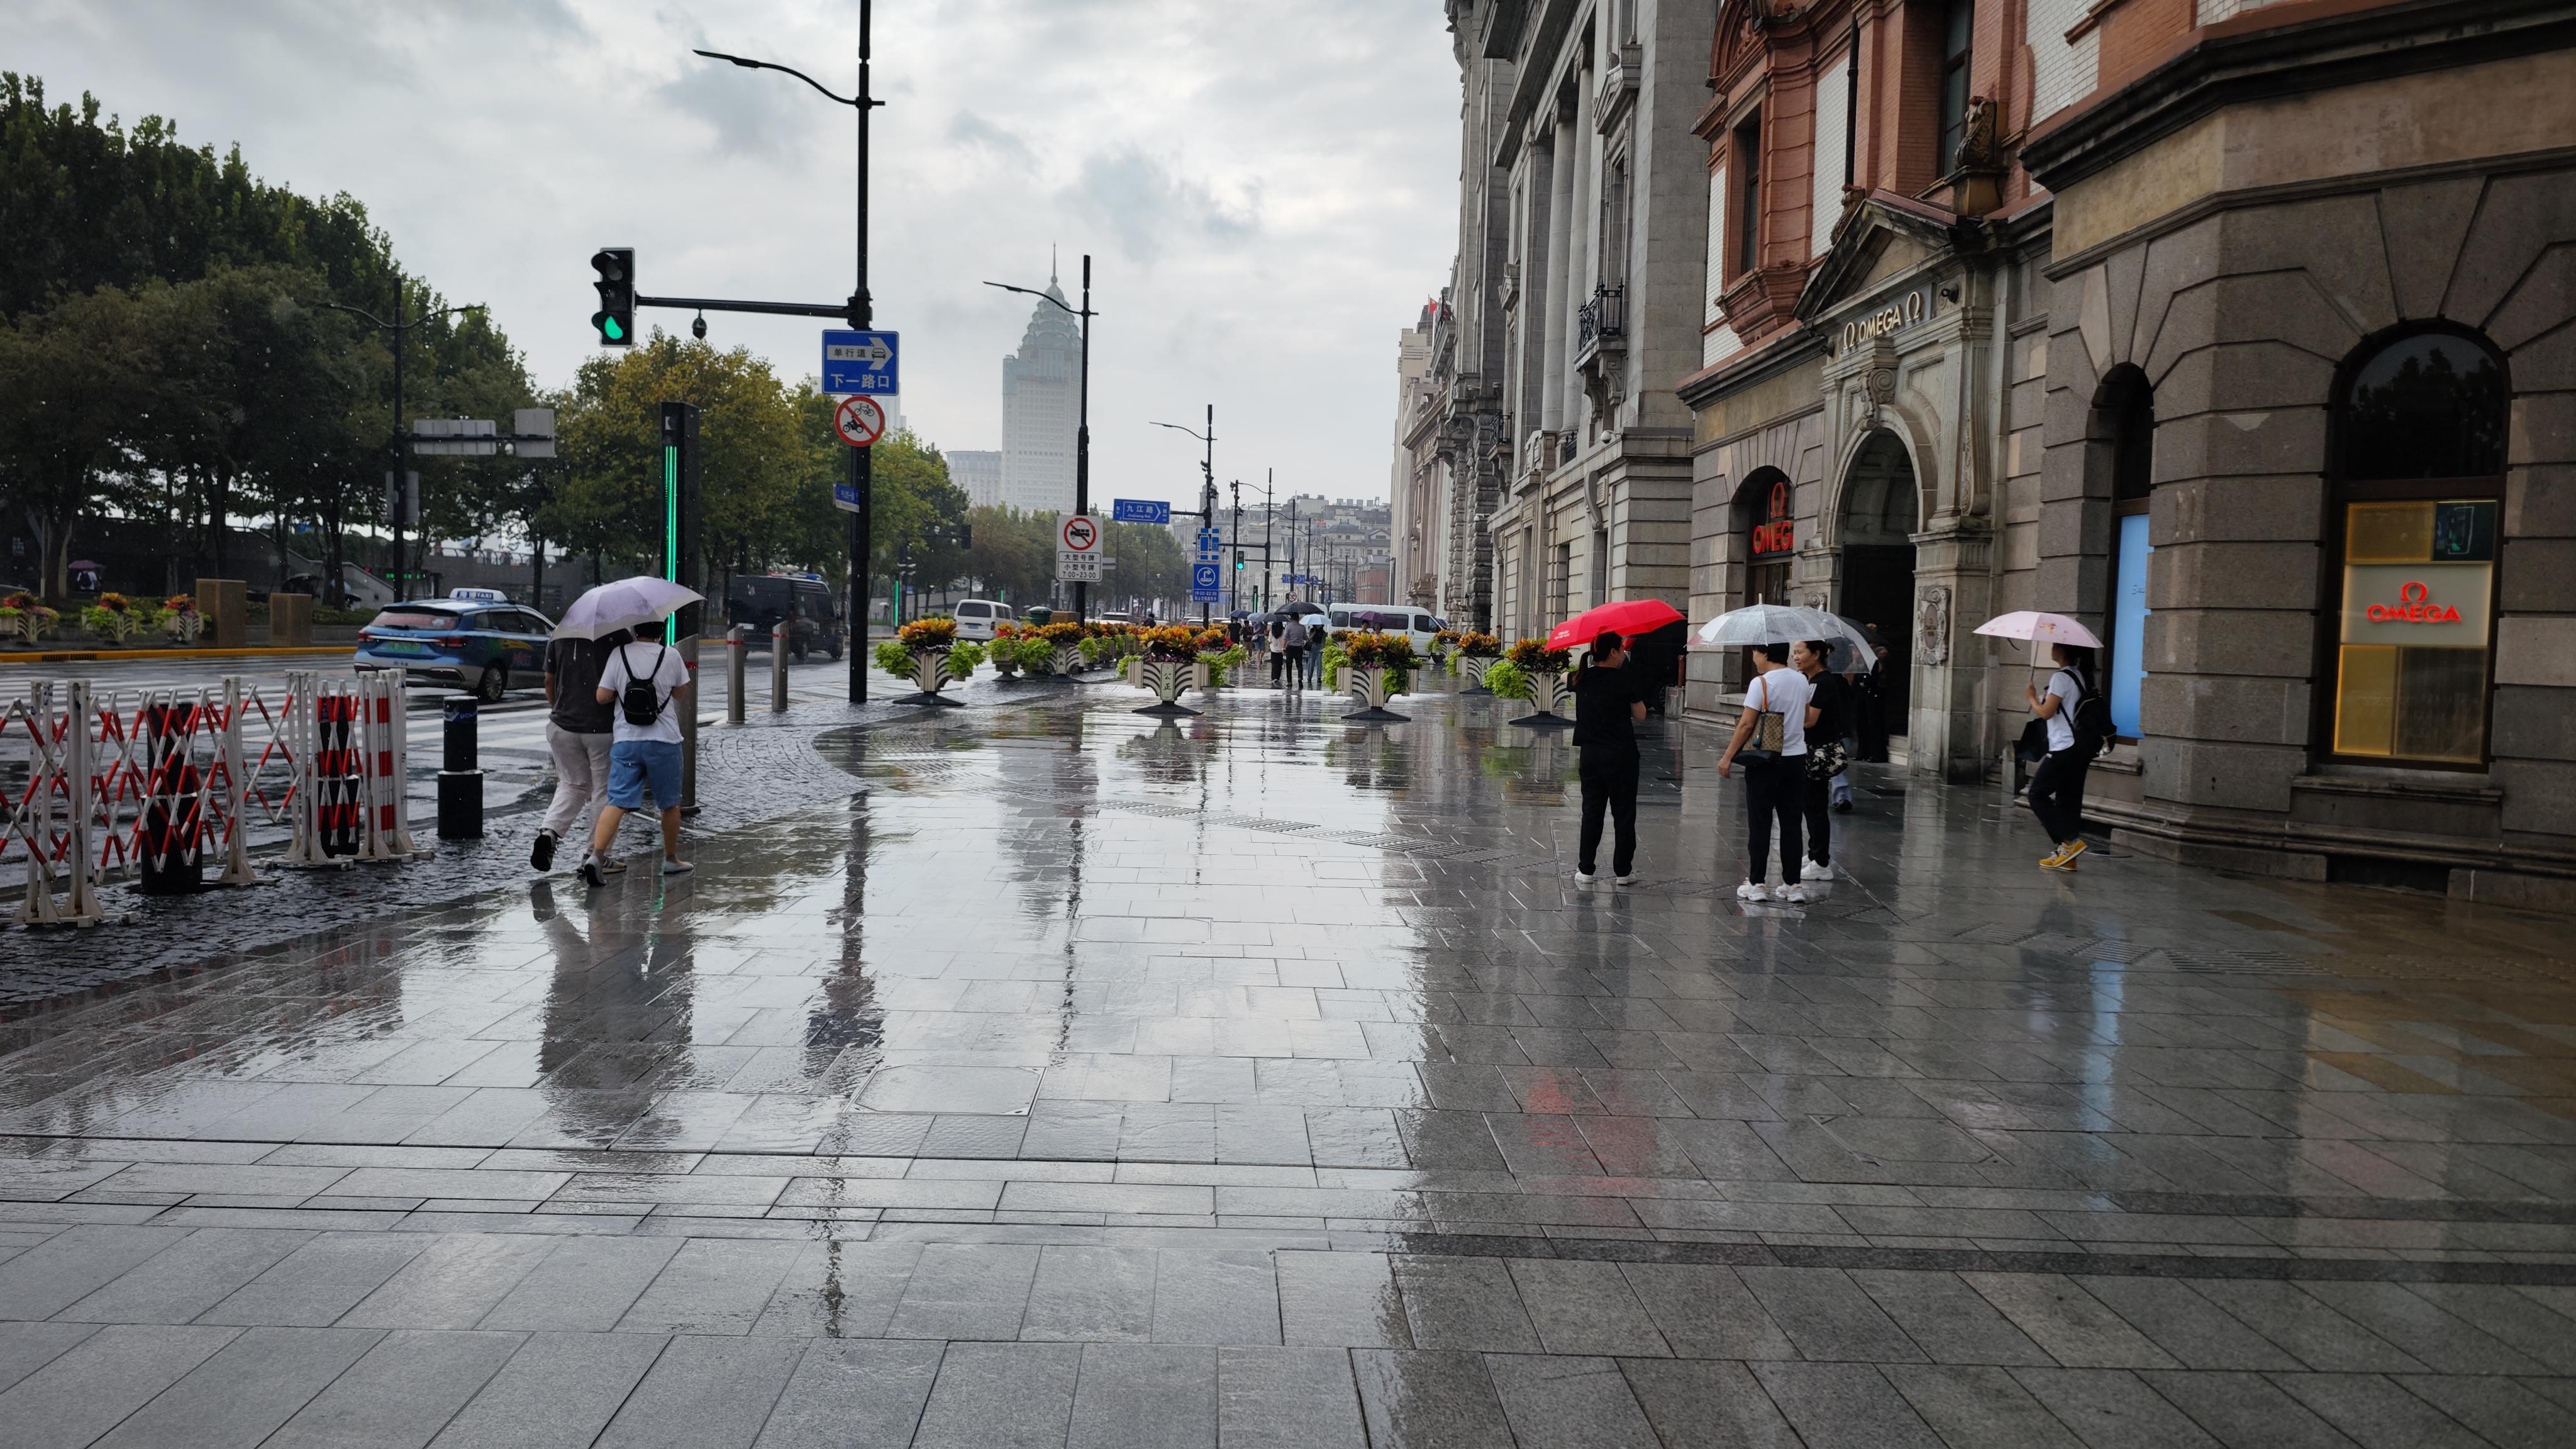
x=1265, y=1081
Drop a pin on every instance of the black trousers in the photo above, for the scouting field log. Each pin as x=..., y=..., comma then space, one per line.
x=1817, y=805
x=1609, y=785
x=2057, y=793
x=1776, y=790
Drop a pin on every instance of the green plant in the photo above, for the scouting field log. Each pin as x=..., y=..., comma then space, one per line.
x=963, y=658
x=1222, y=663
x=894, y=659
x=1035, y=655
x=1508, y=680
x=1335, y=656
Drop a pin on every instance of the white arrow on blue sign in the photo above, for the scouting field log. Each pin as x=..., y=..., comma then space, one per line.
x=1203, y=584
x=1140, y=510
x=856, y=363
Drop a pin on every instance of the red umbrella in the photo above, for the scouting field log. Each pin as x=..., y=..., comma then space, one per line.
x=1627, y=617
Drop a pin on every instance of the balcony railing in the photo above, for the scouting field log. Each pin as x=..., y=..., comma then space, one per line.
x=1599, y=320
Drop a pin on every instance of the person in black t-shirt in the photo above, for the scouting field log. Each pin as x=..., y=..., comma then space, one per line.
x=577, y=735
x=1607, y=706
x=1832, y=699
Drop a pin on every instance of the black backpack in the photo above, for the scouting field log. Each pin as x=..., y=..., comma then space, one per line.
x=2092, y=718
x=637, y=701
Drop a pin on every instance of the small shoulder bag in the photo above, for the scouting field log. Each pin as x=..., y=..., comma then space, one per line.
x=1770, y=729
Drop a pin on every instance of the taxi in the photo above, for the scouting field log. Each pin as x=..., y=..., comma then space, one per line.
x=476, y=637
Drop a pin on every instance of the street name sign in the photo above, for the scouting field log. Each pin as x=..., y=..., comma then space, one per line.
x=1077, y=549
x=859, y=421
x=859, y=362
x=1141, y=510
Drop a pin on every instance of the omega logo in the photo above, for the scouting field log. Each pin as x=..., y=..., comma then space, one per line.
x=2414, y=606
x=1913, y=307
x=1778, y=532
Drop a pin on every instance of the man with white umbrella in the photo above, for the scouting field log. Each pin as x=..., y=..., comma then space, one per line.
x=2076, y=719
x=639, y=682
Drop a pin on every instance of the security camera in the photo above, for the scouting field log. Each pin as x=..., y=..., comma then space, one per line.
x=698, y=326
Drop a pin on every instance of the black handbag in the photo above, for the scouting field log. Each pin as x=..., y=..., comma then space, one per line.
x=2034, y=742
x=1824, y=761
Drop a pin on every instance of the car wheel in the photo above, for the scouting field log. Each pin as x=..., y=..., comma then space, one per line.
x=796, y=650
x=492, y=683
x=836, y=647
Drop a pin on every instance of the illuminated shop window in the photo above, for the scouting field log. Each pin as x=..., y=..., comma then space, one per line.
x=2421, y=452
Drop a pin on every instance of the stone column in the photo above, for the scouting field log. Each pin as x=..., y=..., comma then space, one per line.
x=290, y=620
x=225, y=604
x=1553, y=346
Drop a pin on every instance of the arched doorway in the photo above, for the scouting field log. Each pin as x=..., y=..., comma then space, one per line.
x=1878, y=523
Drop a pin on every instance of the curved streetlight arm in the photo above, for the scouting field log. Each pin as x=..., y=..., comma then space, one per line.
x=748, y=64
x=1176, y=427
x=1060, y=305
x=381, y=322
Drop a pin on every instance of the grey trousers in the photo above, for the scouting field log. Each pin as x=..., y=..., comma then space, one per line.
x=581, y=780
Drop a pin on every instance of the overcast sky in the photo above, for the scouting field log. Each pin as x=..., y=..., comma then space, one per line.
x=1268, y=187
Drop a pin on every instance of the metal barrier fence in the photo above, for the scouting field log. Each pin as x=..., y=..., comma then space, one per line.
x=155, y=785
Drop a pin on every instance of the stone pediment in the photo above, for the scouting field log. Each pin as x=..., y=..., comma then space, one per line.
x=1882, y=236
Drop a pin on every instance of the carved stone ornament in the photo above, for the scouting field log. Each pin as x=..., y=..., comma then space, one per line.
x=1932, y=625
x=1979, y=147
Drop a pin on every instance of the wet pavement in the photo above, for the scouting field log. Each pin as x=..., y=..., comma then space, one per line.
x=1263, y=1079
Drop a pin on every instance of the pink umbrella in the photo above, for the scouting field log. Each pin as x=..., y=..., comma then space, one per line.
x=2039, y=628
x=1627, y=617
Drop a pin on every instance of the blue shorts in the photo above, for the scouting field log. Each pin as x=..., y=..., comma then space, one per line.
x=634, y=764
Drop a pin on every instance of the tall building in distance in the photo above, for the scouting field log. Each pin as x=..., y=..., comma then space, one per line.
x=1041, y=386
x=979, y=474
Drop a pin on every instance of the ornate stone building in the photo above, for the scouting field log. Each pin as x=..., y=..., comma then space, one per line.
x=2238, y=331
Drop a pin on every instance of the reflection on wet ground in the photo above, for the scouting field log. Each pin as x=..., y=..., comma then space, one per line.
x=1264, y=1079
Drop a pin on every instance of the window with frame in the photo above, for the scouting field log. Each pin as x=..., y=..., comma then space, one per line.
x=1958, y=44
x=2419, y=449
x=1748, y=193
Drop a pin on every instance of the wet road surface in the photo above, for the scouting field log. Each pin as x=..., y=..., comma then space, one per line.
x=1264, y=1080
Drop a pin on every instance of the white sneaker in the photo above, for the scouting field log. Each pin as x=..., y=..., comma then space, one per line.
x=1818, y=870
x=1584, y=877
x=1795, y=895
x=1753, y=891
x=1629, y=879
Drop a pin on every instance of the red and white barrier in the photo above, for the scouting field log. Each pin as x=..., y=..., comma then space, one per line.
x=156, y=785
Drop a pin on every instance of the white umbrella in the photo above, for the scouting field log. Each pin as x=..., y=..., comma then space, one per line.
x=1759, y=624
x=634, y=603
x=2039, y=629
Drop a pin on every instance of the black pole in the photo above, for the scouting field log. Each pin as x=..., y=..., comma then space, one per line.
x=862, y=463
x=1082, y=431
x=1234, y=535
x=402, y=447
x=1207, y=491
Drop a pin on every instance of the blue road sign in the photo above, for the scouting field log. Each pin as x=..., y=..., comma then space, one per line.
x=1211, y=545
x=1203, y=584
x=1140, y=510
x=845, y=496
x=859, y=362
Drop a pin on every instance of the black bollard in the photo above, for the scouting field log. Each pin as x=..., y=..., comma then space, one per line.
x=460, y=777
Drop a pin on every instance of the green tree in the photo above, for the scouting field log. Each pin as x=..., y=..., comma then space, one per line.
x=68, y=380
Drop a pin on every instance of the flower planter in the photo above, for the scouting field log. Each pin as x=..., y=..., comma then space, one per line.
x=930, y=674
x=1167, y=678
x=1371, y=686
x=1472, y=668
x=1547, y=691
x=183, y=626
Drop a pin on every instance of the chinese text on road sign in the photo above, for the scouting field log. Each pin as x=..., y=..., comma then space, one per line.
x=1141, y=510
x=1077, y=550
x=859, y=362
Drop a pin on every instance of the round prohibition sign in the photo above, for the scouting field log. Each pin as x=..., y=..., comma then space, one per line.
x=1081, y=535
x=859, y=421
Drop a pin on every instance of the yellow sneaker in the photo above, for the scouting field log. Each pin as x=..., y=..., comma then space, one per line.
x=2073, y=849
x=2063, y=858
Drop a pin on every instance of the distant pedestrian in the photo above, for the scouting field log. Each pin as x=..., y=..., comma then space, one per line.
x=1277, y=646
x=2075, y=717
x=1295, y=634
x=645, y=751
x=1318, y=635
x=1608, y=704
x=1771, y=738
x=1828, y=759
x=1878, y=683
x=579, y=729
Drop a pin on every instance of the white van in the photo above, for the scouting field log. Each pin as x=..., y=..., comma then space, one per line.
x=1418, y=624
x=976, y=617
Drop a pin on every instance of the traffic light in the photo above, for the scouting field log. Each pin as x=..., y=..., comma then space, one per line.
x=615, y=318
x=965, y=535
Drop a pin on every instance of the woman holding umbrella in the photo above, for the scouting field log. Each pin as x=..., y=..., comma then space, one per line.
x=2075, y=718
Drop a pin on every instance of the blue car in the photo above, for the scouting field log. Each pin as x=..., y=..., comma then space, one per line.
x=484, y=642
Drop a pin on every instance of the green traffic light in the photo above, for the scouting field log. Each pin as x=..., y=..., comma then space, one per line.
x=615, y=333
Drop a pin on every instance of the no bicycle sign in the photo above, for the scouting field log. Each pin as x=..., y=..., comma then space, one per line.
x=859, y=421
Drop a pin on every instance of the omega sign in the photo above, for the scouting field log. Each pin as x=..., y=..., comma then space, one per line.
x=1902, y=313
x=1778, y=531
x=2414, y=606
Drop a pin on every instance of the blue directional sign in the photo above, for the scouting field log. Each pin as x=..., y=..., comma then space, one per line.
x=1140, y=510
x=859, y=362
x=1211, y=545
x=845, y=496
x=1203, y=584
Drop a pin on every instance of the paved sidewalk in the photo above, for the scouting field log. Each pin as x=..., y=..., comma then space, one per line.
x=1264, y=1080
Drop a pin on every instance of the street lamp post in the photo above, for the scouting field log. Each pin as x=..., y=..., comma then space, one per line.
x=402, y=430
x=1082, y=415
x=861, y=313
x=1207, y=479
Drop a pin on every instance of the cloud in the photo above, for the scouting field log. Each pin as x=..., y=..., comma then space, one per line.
x=753, y=113
x=975, y=133
x=1147, y=204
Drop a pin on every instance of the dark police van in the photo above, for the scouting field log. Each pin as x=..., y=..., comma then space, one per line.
x=812, y=611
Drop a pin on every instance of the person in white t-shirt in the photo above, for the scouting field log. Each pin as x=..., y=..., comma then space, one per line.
x=2057, y=786
x=1775, y=786
x=643, y=752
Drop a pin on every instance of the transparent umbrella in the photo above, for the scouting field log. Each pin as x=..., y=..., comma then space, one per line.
x=636, y=603
x=1759, y=624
